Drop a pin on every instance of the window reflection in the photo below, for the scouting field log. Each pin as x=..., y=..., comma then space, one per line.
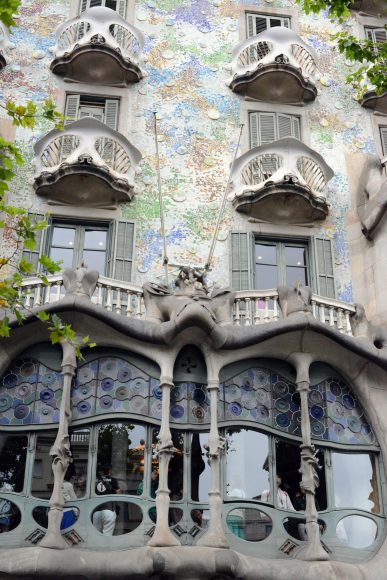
x=10, y=515
x=175, y=469
x=116, y=518
x=77, y=470
x=247, y=463
x=357, y=531
x=355, y=481
x=42, y=476
x=200, y=470
x=120, y=459
x=13, y=450
x=249, y=524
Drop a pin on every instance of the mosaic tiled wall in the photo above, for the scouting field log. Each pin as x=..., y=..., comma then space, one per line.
x=187, y=58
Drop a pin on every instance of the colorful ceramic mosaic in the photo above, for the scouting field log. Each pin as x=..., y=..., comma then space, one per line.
x=262, y=396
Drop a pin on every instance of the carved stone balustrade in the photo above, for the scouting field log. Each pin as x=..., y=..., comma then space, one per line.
x=5, y=45
x=283, y=182
x=87, y=164
x=251, y=307
x=275, y=66
x=98, y=47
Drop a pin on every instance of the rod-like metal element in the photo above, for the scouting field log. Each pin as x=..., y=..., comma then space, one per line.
x=220, y=216
x=165, y=256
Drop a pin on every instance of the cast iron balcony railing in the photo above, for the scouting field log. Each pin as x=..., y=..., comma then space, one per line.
x=87, y=164
x=284, y=181
x=251, y=307
x=5, y=45
x=98, y=47
x=275, y=66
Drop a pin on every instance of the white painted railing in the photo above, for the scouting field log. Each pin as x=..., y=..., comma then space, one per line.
x=100, y=25
x=251, y=307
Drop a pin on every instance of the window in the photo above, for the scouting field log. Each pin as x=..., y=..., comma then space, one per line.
x=268, y=127
x=266, y=263
x=278, y=263
x=117, y=5
x=376, y=35
x=106, y=247
x=100, y=108
x=257, y=23
x=383, y=139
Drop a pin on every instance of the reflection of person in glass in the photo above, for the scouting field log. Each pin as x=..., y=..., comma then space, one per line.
x=6, y=510
x=104, y=517
x=69, y=514
x=283, y=499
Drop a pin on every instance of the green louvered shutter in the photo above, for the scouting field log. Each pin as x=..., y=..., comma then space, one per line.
x=241, y=261
x=324, y=275
x=262, y=129
x=72, y=108
x=288, y=126
x=111, y=113
x=383, y=139
x=121, y=8
x=123, y=251
x=40, y=239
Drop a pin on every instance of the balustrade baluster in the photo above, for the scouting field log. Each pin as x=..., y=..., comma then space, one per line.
x=266, y=315
x=340, y=320
x=128, y=303
x=322, y=312
x=247, y=312
x=108, y=304
x=314, y=310
x=118, y=301
x=38, y=295
x=331, y=316
x=275, y=308
x=138, y=309
x=237, y=312
x=256, y=311
x=348, y=329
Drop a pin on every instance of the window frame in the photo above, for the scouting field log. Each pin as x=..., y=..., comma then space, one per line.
x=294, y=119
x=94, y=97
x=281, y=244
x=267, y=17
x=266, y=11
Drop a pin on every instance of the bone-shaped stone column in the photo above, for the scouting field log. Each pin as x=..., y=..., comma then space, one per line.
x=162, y=535
x=309, y=464
x=61, y=454
x=214, y=537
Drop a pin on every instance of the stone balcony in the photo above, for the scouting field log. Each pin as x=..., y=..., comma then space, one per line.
x=251, y=307
x=372, y=100
x=87, y=164
x=283, y=182
x=5, y=46
x=98, y=47
x=275, y=66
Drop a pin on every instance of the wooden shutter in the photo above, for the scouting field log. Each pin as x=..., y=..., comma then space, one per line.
x=324, y=275
x=111, y=113
x=72, y=108
x=296, y=127
x=84, y=4
x=267, y=128
x=241, y=261
x=288, y=126
x=123, y=250
x=40, y=239
x=380, y=35
x=121, y=8
x=383, y=139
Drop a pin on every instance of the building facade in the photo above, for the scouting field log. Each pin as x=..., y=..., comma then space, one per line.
x=230, y=422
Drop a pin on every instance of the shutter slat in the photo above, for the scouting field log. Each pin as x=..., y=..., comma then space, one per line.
x=123, y=255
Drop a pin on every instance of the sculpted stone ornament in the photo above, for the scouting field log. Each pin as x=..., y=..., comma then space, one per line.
x=79, y=281
x=191, y=297
x=295, y=300
x=362, y=328
x=372, y=196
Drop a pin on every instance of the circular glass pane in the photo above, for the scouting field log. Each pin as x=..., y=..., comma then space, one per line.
x=10, y=515
x=357, y=531
x=200, y=517
x=249, y=524
x=115, y=518
x=296, y=527
x=69, y=517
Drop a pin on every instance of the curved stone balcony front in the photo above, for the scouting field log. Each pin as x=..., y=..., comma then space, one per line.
x=87, y=164
x=98, y=47
x=372, y=100
x=275, y=66
x=251, y=307
x=5, y=45
x=283, y=182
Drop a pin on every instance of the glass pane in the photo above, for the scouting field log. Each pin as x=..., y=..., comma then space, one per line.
x=200, y=470
x=42, y=476
x=355, y=481
x=295, y=275
x=77, y=470
x=357, y=531
x=275, y=22
x=176, y=465
x=288, y=476
x=65, y=256
x=249, y=524
x=295, y=256
x=266, y=277
x=69, y=517
x=13, y=450
x=115, y=518
x=247, y=464
x=10, y=515
x=63, y=237
x=201, y=518
x=120, y=459
x=95, y=260
x=95, y=240
x=266, y=254
x=296, y=527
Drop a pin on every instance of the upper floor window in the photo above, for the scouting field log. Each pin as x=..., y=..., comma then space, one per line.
x=383, y=139
x=100, y=108
x=278, y=263
x=257, y=23
x=268, y=127
x=117, y=5
x=377, y=35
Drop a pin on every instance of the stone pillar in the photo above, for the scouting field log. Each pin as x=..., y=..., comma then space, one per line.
x=61, y=454
x=214, y=537
x=309, y=464
x=163, y=535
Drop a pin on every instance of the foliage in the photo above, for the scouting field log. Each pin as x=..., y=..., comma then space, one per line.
x=7, y=10
x=372, y=57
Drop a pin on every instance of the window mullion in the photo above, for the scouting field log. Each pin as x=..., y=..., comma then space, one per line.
x=281, y=266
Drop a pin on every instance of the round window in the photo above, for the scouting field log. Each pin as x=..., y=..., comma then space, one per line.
x=249, y=524
x=115, y=518
x=356, y=531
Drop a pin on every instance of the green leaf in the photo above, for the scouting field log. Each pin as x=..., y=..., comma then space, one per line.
x=43, y=316
x=4, y=327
